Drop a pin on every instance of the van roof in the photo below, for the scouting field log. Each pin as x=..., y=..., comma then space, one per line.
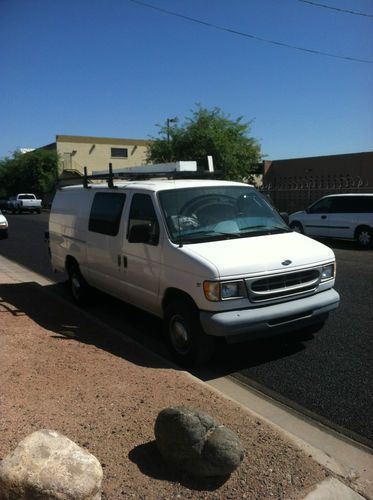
x=347, y=194
x=159, y=184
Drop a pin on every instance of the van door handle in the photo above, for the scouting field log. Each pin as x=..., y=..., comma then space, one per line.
x=124, y=261
x=119, y=260
x=323, y=216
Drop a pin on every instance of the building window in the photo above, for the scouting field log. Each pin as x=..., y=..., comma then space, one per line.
x=106, y=213
x=119, y=152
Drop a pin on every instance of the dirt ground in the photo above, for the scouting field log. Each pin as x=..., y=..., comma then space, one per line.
x=61, y=370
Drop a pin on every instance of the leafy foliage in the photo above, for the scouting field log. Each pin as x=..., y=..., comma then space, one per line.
x=33, y=172
x=208, y=133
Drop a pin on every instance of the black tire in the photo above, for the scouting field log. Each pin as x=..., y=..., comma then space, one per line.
x=79, y=288
x=189, y=344
x=364, y=237
x=297, y=227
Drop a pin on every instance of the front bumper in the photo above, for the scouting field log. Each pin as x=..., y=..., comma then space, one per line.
x=269, y=320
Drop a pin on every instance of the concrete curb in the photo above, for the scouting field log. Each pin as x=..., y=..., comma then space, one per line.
x=332, y=489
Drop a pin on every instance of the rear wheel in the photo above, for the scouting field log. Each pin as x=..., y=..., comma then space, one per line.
x=364, y=237
x=188, y=342
x=297, y=227
x=79, y=288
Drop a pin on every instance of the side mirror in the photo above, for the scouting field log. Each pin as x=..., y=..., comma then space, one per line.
x=140, y=233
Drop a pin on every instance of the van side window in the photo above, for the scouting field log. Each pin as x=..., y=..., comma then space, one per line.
x=363, y=204
x=142, y=219
x=106, y=213
x=322, y=206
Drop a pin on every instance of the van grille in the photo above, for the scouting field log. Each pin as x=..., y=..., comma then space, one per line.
x=282, y=285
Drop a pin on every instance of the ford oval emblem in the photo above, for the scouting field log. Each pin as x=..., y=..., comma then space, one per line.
x=286, y=262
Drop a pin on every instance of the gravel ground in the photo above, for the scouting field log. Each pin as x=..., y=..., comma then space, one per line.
x=61, y=370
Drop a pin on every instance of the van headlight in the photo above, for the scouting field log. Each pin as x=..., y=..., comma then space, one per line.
x=328, y=272
x=224, y=290
x=3, y=224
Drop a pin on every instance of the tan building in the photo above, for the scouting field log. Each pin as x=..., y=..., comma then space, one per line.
x=95, y=153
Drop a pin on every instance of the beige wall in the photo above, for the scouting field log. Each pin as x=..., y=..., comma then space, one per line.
x=77, y=152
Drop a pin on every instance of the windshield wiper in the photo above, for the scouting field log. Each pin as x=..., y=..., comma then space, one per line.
x=266, y=228
x=205, y=236
x=251, y=227
x=261, y=230
x=229, y=235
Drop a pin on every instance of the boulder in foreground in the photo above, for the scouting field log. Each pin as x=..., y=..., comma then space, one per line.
x=48, y=465
x=193, y=442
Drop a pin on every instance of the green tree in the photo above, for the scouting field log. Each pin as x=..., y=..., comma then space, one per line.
x=208, y=133
x=34, y=172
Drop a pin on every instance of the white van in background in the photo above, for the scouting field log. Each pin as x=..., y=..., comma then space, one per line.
x=340, y=216
x=212, y=258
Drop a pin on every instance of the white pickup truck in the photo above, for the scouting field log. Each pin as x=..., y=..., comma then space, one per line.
x=24, y=202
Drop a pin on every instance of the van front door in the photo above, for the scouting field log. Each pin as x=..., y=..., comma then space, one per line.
x=317, y=221
x=141, y=254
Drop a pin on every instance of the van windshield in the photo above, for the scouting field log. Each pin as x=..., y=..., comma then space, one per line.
x=210, y=213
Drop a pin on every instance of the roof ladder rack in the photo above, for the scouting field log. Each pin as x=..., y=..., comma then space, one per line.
x=142, y=173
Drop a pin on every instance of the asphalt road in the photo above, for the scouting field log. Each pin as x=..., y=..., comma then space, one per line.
x=328, y=376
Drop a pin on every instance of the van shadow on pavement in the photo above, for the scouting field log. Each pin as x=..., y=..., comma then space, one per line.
x=49, y=306
x=68, y=322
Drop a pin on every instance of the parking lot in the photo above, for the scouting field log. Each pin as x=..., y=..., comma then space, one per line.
x=328, y=376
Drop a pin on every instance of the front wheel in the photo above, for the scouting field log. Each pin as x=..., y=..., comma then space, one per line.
x=364, y=237
x=297, y=227
x=189, y=344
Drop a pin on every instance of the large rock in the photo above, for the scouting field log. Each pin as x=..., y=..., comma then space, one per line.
x=193, y=442
x=47, y=465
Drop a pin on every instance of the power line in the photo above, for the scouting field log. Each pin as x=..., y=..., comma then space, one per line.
x=336, y=8
x=248, y=35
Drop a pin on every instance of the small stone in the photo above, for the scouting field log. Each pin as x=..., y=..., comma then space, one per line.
x=353, y=475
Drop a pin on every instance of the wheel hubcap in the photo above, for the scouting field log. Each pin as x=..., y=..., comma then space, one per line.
x=364, y=238
x=179, y=335
x=75, y=286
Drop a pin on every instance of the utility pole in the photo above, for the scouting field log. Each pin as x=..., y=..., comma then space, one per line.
x=168, y=121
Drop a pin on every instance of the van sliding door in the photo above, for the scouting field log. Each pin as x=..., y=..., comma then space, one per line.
x=104, y=240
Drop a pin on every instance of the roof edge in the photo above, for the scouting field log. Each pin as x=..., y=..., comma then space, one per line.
x=101, y=140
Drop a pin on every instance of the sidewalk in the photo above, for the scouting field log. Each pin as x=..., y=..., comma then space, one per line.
x=62, y=369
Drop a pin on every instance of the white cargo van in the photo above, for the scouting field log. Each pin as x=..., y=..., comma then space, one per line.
x=212, y=258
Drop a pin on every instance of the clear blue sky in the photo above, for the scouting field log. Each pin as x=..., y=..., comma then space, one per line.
x=115, y=68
